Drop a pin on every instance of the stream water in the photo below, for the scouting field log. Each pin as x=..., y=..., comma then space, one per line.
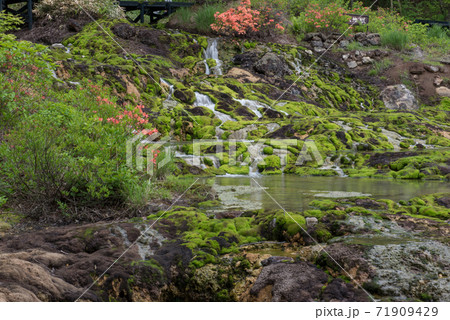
x=212, y=52
x=294, y=192
x=205, y=101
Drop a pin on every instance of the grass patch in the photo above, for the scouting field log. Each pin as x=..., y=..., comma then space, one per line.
x=395, y=39
x=380, y=66
x=205, y=16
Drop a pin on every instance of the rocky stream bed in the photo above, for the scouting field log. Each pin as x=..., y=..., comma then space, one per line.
x=248, y=113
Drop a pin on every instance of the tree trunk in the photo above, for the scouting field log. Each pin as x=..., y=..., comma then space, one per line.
x=392, y=5
x=400, y=6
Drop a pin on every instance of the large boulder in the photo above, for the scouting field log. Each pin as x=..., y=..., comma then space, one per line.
x=272, y=65
x=443, y=92
x=301, y=282
x=399, y=97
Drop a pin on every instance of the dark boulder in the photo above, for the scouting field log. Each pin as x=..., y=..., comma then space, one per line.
x=124, y=31
x=272, y=65
x=300, y=281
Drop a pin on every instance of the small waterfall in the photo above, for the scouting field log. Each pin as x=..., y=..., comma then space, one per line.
x=255, y=105
x=297, y=65
x=253, y=170
x=170, y=86
x=393, y=138
x=329, y=165
x=212, y=52
x=252, y=105
x=205, y=101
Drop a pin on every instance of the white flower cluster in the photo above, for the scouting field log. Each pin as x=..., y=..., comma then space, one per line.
x=54, y=9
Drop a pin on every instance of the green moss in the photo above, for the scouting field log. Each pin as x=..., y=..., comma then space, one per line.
x=324, y=204
x=211, y=63
x=270, y=163
x=268, y=150
x=306, y=171
x=244, y=170
x=322, y=234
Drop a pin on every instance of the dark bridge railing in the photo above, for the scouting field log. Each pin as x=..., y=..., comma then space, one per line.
x=442, y=24
x=155, y=10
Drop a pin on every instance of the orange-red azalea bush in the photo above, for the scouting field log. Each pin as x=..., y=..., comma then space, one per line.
x=244, y=21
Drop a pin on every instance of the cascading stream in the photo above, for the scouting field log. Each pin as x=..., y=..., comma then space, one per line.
x=205, y=101
x=212, y=52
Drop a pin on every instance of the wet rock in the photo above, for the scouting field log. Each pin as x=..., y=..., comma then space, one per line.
x=416, y=69
x=318, y=44
x=374, y=39
x=283, y=132
x=367, y=60
x=417, y=52
x=300, y=281
x=242, y=75
x=438, y=81
x=272, y=114
x=74, y=26
x=370, y=204
x=23, y=280
x=350, y=258
x=352, y=64
x=276, y=259
x=443, y=92
x=311, y=221
x=179, y=73
x=247, y=59
x=432, y=69
x=124, y=31
x=399, y=97
x=186, y=96
x=311, y=36
x=420, y=146
x=58, y=46
x=408, y=270
x=444, y=201
x=272, y=65
x=338, y=290
x=344, y=44
x=319, y=50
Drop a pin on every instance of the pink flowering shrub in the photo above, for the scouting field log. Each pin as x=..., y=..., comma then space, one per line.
x=245, y=21
x=329, y=18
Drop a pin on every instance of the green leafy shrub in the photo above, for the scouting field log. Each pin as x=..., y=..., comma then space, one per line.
x=3, y=200
x=8, y=22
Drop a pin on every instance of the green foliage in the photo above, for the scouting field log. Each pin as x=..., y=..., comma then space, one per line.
x=205, y=16
x=380, y=66
x=3, y=201
x=184, y=15
x=395, y=39
x=8, y=22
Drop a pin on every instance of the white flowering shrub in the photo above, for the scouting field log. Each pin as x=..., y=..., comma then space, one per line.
x=53, y=9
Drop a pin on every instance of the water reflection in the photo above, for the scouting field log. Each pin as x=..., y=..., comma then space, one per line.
x=294, y=192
